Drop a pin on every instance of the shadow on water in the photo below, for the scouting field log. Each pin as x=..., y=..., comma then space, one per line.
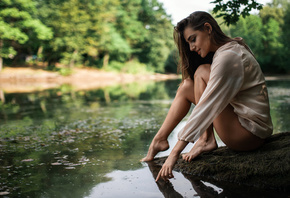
x=209, y=188
x=62, y=143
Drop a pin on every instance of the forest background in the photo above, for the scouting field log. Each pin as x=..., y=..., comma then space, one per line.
x=130, y=36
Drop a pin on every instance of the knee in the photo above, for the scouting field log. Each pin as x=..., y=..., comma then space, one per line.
x=202, y=72
x=186, y=86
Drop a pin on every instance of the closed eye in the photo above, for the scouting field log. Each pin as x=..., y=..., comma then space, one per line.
x=191, y=38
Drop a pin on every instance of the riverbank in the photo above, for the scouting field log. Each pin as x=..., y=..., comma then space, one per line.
x=29, y=79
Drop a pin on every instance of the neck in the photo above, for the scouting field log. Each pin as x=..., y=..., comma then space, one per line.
x=214, y=48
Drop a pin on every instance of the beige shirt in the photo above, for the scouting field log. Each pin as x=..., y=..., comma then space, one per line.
x=236, y=79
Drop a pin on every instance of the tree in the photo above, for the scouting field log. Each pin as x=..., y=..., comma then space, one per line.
x=70, y=22
x=159, y=30
x=266, y=35
x=286, y=38
x=17, y=21
x=83, y=29
x=128, y=23
x=272, y=17
x=105, y=35
x=250, y=29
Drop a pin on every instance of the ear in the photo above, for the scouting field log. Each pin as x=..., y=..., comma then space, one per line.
x=208, y=27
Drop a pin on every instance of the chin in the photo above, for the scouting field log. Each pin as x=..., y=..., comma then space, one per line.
x=202, y=55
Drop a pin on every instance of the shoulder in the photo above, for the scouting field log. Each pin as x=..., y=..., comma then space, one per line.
x=229, y=49
x=229, y=53
x=228, y=59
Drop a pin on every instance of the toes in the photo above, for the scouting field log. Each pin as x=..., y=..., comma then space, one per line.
x=187, y=157
x=184, y=157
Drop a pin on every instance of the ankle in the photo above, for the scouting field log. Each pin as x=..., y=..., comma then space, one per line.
x=207, y=136
x=159, y=138
x=204, y=138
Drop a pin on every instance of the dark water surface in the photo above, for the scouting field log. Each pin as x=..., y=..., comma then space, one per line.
x=62, y=143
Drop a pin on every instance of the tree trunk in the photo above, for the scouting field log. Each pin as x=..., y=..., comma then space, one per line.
x=39, y=53
x=106, y=60
x=1, y=63
x=72, y=61
x=1, y=59
x=2, y=96
x=107, y=96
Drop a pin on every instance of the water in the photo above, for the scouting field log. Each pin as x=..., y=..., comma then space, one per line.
x=66, y=143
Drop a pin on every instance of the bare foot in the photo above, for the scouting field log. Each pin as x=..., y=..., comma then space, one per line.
x=155, y=147
x=200, y=146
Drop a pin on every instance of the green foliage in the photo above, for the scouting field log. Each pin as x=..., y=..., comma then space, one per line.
x=250, y=29
x=231, y=10
x=107, y=31
x=272, y=12
x=132, y=67
x=116, y=34
x=65, y=71
x=18, y=22
x=114, y=44
x=135, y=67
x=286, y=38
x=172, y=61
x=266, y=35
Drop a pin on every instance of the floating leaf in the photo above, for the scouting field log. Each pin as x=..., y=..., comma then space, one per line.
x=70, y=168
x=27, y=160
x=56, y=164
x=4, y=193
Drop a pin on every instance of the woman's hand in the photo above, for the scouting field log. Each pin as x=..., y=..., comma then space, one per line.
x=166, y=171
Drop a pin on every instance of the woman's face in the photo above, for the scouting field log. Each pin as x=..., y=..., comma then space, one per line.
x=199, y=41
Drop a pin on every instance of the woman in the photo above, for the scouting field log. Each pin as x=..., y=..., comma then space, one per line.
x=230, y=94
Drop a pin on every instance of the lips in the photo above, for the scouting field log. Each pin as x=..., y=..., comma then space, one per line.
x=198, y=51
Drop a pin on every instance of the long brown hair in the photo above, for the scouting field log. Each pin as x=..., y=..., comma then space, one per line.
x=190, y=60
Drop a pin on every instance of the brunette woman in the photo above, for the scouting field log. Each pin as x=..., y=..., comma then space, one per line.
x=227, y=88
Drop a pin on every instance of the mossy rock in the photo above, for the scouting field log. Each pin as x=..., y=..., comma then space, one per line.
x=267, y=167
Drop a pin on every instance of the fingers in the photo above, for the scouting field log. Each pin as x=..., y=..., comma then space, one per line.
x=165, y=173
x=158, y=176
x=184, y=157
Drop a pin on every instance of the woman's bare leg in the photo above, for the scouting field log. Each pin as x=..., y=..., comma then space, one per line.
x=207, y=141
x=233, y=134
x=178, y=110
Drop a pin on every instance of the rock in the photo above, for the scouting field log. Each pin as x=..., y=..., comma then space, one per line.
x=265, y=168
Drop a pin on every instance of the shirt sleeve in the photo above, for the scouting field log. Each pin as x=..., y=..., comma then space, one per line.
x=225, y=81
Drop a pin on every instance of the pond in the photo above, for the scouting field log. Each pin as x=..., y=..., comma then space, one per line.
x=66, y=143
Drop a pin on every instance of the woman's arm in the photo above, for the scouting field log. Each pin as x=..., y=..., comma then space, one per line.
x=166, y=171
x=225, y=81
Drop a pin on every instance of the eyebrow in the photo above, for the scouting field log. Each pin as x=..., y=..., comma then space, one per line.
x=190, y=37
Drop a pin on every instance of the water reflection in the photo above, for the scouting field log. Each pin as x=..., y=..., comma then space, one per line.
x=63, y=143
x=199, y=186
x=279, y=94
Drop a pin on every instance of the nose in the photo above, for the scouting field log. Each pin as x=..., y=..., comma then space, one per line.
x=191, y=47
